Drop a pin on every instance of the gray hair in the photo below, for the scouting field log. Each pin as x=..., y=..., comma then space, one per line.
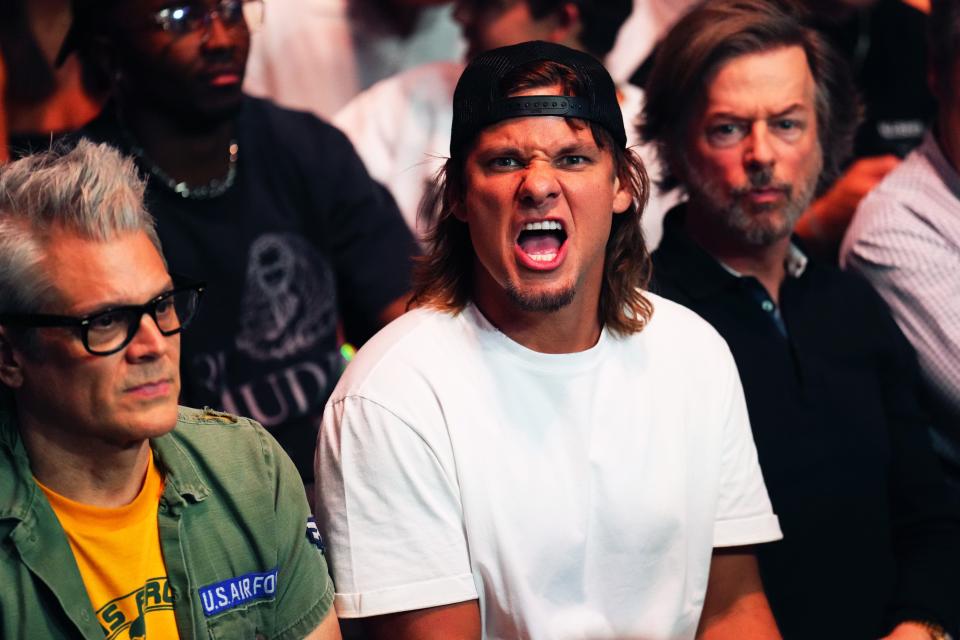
x=90, y=190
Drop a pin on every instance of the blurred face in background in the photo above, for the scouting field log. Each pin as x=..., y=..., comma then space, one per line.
x=187, y=56
x=488, y=24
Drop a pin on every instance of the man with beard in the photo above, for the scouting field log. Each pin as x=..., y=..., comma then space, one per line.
x=869, y=526
x=272, y=208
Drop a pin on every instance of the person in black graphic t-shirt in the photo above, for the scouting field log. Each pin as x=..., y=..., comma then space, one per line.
x=272, y=208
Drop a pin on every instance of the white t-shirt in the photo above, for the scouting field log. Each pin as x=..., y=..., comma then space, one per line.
x=315, y=55
x=400, y=128
x=642, y=31
x=576, y=495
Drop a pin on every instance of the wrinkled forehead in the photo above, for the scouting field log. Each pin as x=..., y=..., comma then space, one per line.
x=769, y=80
x=538, y=132
x=86, y=272
x=538, y=110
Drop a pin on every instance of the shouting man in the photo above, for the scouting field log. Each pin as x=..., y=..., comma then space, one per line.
x=542, y=449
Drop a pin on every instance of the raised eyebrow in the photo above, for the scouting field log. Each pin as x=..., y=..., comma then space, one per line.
x=726, y=115
x=794, y=109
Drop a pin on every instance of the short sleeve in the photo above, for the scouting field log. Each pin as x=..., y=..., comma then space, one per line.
x=305, y=591
x=744, y=514
x=389, y=506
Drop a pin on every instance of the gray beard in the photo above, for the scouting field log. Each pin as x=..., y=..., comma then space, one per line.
x=544, y=302
x=753, y=227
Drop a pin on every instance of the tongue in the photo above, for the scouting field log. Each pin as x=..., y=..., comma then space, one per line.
x=535, y=244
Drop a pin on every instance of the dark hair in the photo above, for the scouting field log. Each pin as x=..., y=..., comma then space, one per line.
x=713, y=33
x=30, y=78
x=600, y=20
x=443, y=278
x=943, y=41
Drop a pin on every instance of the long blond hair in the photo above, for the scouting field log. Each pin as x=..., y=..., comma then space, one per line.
x=443, y=277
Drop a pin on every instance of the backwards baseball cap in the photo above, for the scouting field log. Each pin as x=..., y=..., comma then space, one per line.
x=478, y=101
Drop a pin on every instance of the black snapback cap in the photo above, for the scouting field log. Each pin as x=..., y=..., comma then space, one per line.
x=478, y=101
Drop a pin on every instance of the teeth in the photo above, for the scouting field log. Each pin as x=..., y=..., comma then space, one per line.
x=543, y=257
x=546, y=225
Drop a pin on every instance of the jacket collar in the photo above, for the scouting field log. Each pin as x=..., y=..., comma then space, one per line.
x=180, y=470
x=18, y=493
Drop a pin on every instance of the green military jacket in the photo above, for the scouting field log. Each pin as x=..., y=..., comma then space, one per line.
x=243, y=556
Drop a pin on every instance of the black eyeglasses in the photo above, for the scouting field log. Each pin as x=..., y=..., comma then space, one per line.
x=109, y=331
x=187, y=17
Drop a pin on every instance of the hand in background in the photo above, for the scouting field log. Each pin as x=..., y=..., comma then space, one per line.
x=823, y=224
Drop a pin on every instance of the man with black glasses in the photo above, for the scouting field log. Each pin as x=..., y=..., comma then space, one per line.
x=120, y=514
x=272, y=208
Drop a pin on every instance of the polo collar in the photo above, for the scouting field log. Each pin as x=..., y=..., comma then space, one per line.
x=697, y=272
x=795, y=263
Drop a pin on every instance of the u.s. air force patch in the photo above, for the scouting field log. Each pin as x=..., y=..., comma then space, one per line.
x=313, y=535
x=233, y=592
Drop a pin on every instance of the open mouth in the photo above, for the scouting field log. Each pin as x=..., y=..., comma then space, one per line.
x=542, y=241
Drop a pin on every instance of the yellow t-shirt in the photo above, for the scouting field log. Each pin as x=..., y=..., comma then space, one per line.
x=118, y=553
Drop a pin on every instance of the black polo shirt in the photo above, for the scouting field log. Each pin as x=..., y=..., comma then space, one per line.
x=871, y=533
